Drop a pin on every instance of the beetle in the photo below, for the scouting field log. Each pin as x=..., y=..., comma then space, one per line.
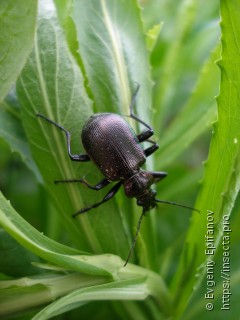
x=111, y=143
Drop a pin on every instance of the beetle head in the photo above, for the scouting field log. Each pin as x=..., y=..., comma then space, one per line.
x=138, y=186
x=147, y=200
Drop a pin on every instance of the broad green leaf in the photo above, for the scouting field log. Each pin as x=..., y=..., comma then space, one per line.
x=121, y=290
x=102, y=269
x=14, y=259
x=115, y=58
x=52, y=84
x=17, y=25
x=39, y=244
x=119, y=57
x=197, y=305
x=221, y=181
x=132, y=286
x=11, y=131
x=16, y=300
x=26, y=293
x=97, y=49
x=152, y=35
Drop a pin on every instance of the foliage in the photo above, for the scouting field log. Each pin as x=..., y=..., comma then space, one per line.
x=87, y=57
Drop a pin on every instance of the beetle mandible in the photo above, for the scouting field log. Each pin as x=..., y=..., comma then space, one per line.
x=111, y=143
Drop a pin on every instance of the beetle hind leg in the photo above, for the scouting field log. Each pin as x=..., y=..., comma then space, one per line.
x=73, y=157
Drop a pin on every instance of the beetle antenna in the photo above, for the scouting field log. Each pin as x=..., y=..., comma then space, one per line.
x=176, y=204
x=135, y=238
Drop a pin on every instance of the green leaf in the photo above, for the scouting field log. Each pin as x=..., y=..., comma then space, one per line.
x=153, y=34
x=112, y=46
x=39, y=244
x=12, y=132
x=14, y=259
x=27, y=293
x=115, y=58
x=188, y=10
x=102, y=269
x=196, y=116
x=17, y=25
x=88, y=59
x=121, y=290
x=51, y=84
x=222, y=180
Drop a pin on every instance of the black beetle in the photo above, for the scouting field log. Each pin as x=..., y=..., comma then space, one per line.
x=114, y=147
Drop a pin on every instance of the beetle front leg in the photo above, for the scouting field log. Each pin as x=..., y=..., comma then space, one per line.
x=100, y=185
x=73, y=157
x=158, y=175
x=143, y=136
x=151, y=149
x=108, y=196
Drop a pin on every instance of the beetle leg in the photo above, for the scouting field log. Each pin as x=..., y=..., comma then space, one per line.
x=136, y=118
x=158, y=175
x=143, y=136
x=108, y=196
x=73, y=157
x=151, y=149
x=100, y=185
